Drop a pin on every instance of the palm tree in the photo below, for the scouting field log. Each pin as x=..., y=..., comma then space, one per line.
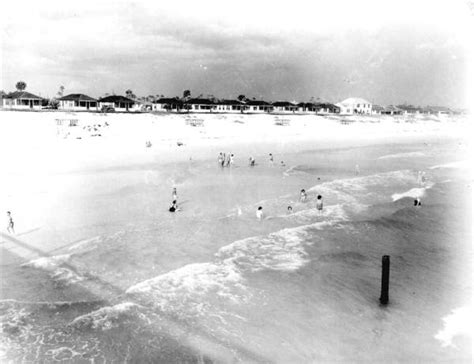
x=241, y=98
x=129, y=93
x=186, y=94
x=61, y=91
x=20, y=85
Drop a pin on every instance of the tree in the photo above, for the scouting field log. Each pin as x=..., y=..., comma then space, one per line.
x=20, y=85
x=129, y=93
x=61, y=91
x=241, y=98
x=186, y=94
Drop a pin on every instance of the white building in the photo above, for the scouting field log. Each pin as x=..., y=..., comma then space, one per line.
x=355, y=105
x=21, y=100
x=117, y=102
x=78, y=102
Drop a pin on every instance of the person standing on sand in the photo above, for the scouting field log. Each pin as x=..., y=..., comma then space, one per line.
x=417, y=202
x=290, y=210
x=10, y=223
x=174, y=194
x=319, y=204
x=220, y=159
x=251, y=161
x=259, y=213
x=231, y=160
x=271, y=159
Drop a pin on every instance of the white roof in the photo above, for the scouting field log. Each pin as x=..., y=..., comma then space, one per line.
x=354, y=100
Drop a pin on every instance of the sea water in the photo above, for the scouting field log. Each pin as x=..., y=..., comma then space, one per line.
x=112, y=276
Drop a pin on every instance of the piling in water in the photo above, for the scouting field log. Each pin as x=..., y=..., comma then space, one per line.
x=385, y=279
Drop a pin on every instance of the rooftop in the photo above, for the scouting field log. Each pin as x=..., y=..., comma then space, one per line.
x=77, y=97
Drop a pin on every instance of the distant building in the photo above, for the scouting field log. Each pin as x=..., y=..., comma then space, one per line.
x=410, y=109
x=438, y=110
x=307, y=107
x=284, y=107
x=119, y=103
x=21, y=100
x=377, y=109
x=258, y=107
x=327, y=108
x=200, y=105
x=78, y=102
x=168, y=104
x=230, y=106
x=355, y=105
x=392, y=110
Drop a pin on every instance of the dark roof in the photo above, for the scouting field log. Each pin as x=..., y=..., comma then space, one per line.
x=283, y=103
x=77, y=97
x=168, y=100
x=23, y=95
x=257, y=103
x=229, y=102
x=306, y=104
x=392, y=108
x=116, y=98
x=410, y=107
x=200, y=101
x=326, y=105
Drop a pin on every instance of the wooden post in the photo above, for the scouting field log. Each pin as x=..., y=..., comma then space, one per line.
x=385, y=279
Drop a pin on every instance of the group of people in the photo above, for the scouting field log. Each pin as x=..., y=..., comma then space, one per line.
x=224, y=160
x=303, y=198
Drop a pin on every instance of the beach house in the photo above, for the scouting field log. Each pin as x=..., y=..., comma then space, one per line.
x=230, y=106
x=306, y=107
x=199, y=105
x=168, y=104
x=21, y=100
x=117, y=102
x=327, y=108
x=391, y=110
x=284, y=107
x=78, y=102
x=355, y=105
x=258, y=107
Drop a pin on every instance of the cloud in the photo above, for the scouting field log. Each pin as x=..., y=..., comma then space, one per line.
x=324, y=49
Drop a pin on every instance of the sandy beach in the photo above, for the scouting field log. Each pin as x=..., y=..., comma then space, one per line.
x=99, y=268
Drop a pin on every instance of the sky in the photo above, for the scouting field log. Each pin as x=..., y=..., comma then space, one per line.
x=388, y=52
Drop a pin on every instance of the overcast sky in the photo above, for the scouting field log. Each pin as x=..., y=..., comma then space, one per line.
x=388, y=52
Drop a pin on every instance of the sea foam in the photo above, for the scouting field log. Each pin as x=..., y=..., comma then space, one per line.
x=458, y=323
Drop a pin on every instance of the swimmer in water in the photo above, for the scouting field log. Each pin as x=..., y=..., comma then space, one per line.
x=259, y=213
x=319, y=204
x=303, y=196
x=174, y=207
x=417, y=202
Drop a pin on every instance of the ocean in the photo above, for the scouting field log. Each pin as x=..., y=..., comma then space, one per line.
x=107, y=274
